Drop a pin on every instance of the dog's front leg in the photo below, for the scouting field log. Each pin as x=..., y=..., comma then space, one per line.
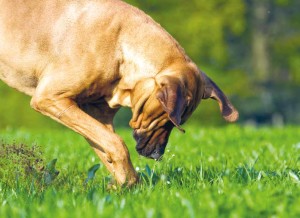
x=109, y=146
x=104, y=114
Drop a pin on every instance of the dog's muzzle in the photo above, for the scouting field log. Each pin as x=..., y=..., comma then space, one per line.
x=152, y=144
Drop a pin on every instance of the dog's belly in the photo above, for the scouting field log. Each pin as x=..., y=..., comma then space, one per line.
x=25, y=82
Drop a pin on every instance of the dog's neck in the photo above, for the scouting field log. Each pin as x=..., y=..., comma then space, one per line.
x=138, y=70
x=156, y=53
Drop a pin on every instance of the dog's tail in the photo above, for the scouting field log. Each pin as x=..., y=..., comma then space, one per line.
x=211, y=90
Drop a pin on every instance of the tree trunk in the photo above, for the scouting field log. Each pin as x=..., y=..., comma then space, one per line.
x=260, y=53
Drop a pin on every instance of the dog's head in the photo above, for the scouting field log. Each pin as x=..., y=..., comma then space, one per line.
x=167, y=101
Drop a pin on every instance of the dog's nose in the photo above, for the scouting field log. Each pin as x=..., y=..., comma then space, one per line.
x=156, y=155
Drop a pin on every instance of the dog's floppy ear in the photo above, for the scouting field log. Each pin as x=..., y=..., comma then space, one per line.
x=211, y=90
x=172, y=99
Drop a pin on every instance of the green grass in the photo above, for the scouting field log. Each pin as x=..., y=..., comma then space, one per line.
x=208, y=172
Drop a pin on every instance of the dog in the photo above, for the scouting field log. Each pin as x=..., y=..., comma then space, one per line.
x=82, y=60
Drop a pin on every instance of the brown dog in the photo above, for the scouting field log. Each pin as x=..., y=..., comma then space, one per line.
x=81, y=60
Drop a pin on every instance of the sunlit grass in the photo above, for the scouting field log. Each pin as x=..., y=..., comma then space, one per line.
x=207, y=172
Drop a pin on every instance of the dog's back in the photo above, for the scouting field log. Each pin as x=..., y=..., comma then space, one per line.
x=94, y=36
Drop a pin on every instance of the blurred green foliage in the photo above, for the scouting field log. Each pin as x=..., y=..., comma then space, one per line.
x=250, y=48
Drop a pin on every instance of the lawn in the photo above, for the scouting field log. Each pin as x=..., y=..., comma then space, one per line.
x=227, y=171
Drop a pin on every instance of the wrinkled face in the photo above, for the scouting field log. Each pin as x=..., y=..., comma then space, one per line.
x=166, y=106
x=153, y=134
x=152, y=144
x=160, y=104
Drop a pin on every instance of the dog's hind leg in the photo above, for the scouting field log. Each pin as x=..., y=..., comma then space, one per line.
x=109, y=146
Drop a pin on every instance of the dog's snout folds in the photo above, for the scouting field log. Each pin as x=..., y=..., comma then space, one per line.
x=152, y=144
